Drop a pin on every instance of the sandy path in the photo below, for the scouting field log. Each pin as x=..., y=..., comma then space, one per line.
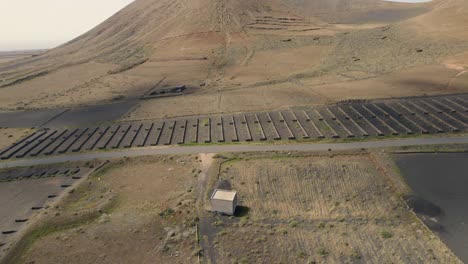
x=206, y=163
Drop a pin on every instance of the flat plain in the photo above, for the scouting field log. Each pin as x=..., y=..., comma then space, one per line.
x=124, y=213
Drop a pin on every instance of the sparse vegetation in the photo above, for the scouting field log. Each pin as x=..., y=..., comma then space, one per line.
x=301, y=254
x=24, y=79
x=107, y=208
x=236, y=58
x=322, y=252
x=293, y=223
x=118, y=98
x=167, y=213
x=386, y=234
x=129, y=66
x=318, y=207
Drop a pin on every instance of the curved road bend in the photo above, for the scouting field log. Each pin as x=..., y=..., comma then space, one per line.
x=172, y=150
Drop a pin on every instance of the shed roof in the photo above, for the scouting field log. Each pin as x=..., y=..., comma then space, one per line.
x=225, y=195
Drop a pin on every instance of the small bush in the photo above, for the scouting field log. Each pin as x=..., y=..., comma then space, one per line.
x=293, y=223
x=167, y=213
x=386, y=234
x=301, y=254
x=260, y=239
x=197, y=252
x=355, y=255
x=322, y=252
x=118, y=98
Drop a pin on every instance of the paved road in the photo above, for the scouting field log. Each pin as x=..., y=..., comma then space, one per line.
x=237, y=148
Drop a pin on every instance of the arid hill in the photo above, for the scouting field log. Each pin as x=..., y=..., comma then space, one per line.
x=249, y=55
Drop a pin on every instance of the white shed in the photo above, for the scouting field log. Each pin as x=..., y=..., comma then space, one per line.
x=224, y=201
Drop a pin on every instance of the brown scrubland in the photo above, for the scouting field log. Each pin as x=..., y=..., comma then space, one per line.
x=240, y=56
x=246, y=56
x=294, y=208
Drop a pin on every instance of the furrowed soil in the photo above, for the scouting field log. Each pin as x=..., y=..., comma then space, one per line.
x=320, y=209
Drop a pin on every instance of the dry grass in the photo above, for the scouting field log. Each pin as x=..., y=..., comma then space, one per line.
x=320, y=188
x=239, y=69
x=151, y=217
x=321, y=209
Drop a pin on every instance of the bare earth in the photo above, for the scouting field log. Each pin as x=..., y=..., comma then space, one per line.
x=244, y=56
x=9, y=136
x=7, y=56
x=297, y=209
x=145, y=214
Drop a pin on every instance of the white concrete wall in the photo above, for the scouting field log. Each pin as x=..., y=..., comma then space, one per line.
x=223, y=206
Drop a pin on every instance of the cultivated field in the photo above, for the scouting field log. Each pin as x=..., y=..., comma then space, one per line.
x=318, y=209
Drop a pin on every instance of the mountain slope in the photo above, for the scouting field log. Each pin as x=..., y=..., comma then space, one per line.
x=220, y=46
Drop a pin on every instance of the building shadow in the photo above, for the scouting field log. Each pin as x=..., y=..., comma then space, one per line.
x=241, y=211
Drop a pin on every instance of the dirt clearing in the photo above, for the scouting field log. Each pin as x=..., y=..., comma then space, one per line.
x=132, y=211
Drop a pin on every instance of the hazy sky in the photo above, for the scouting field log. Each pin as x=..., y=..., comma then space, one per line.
x=410, y=1
x=36, y=24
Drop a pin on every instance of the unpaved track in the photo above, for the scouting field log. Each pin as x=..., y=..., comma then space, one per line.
x=177, y=150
